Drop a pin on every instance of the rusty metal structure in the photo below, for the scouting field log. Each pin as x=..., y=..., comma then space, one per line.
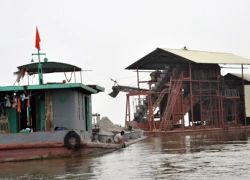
x=188, y=83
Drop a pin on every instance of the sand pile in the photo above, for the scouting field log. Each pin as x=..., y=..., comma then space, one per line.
x=107, y=127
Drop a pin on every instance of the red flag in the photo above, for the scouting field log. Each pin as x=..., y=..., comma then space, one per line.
x=38, y=40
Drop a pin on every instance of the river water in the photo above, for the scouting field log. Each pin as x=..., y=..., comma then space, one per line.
x=207, y=155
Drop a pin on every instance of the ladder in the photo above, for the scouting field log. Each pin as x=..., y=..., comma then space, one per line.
x=151, y=109
x=160, y=97
x=172, y=97
x=213, y=114
x=208, y=112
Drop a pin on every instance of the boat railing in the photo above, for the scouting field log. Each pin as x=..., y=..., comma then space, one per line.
x=230, y=93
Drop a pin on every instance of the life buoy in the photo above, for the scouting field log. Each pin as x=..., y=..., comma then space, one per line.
x=75, y=144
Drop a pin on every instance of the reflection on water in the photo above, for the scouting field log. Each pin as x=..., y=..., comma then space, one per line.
x=210, y=155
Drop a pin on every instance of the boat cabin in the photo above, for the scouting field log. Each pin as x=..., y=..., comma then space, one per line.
x=47, y=106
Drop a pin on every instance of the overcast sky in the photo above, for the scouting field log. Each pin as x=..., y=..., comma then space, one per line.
x=107, y=36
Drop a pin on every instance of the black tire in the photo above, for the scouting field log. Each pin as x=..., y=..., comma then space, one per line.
x=68, y=136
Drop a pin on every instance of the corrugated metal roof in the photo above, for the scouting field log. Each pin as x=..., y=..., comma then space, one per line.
x=247, y=100
x=209, y=57
x=161, y=57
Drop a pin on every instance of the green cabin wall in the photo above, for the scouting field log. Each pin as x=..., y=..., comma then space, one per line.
x=12, y=113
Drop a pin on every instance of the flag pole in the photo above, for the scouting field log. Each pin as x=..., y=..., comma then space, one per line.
x=38, y=55
x=40, y=71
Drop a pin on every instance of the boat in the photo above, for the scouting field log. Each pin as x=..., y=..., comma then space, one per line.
x=52, y=119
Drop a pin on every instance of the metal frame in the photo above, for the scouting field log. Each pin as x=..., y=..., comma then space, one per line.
x=211, y=100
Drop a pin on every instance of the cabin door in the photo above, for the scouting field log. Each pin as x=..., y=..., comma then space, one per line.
x=13, y=120
x=87, y=113
x=42, y=114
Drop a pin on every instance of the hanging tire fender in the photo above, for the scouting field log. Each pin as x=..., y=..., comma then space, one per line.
x=68, y=143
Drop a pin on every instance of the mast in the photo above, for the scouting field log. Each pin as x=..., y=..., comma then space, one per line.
x=40, y=71
x=40, y=74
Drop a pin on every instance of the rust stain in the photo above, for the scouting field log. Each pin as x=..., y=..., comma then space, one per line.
x=49, y=111
x=30, y=154
x=31, y=145
x=4, y=125
x=30, y=151
x=47, y=153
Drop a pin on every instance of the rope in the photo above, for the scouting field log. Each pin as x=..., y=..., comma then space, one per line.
x=93, y=81
x=125, y=77
x=135, y=82
x=70, y=76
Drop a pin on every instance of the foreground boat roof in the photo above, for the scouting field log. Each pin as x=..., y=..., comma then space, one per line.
x=48, y=67
x=92, y=89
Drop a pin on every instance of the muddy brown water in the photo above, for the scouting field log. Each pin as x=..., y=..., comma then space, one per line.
x=207, y=155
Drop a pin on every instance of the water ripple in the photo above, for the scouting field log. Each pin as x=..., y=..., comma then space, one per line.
x=210, y=155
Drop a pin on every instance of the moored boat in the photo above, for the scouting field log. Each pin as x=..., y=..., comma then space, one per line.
x=48, y=120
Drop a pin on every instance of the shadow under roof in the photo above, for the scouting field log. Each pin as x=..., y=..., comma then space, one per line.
x=81, y=87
